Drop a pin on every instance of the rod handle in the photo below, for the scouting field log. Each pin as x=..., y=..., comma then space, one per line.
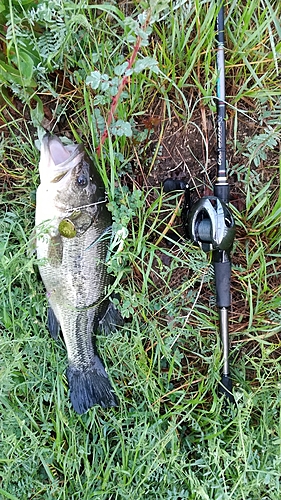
x=222, y=281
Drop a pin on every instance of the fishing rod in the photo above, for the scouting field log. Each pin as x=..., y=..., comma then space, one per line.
x=209, y=222
x=221, y=256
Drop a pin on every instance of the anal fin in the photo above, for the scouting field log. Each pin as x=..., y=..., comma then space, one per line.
x=53, y=324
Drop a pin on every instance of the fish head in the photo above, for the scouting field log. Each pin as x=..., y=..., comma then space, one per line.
x=69, y=175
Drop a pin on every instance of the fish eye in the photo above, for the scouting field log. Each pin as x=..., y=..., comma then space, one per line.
x=82, y=180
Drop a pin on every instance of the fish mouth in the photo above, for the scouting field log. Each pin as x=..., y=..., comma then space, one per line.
x=58, y=160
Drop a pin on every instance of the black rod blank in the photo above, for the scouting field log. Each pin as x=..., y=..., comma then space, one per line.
x=221, y=111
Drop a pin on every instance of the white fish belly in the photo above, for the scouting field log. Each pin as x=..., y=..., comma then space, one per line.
x=75, y=278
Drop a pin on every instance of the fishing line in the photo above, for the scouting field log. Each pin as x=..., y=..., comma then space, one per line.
x=86, y=206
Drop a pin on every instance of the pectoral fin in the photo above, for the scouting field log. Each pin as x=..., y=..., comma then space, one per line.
x=55, y=250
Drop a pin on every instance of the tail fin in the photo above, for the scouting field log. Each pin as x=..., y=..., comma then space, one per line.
x=90, y=387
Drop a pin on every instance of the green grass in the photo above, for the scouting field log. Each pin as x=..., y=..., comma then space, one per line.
x=171, y=437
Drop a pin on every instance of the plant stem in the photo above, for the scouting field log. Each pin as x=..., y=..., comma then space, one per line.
x=122, y=84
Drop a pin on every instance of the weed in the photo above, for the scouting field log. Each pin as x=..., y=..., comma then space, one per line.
x=171, y=437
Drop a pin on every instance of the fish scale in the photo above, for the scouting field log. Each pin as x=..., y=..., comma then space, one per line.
x=71, y=200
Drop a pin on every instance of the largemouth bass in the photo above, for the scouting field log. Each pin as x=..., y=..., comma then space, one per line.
x=71, y=223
